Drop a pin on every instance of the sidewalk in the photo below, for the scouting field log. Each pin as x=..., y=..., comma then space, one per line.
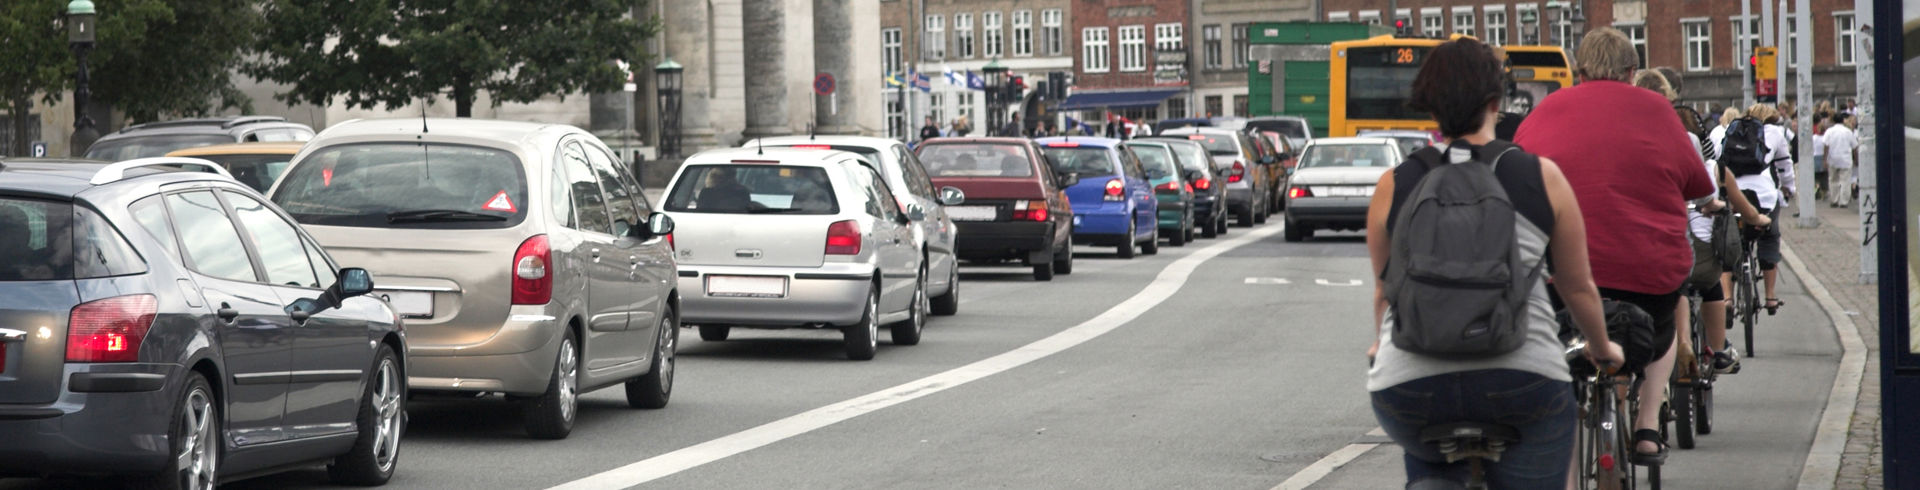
x=1832, y=254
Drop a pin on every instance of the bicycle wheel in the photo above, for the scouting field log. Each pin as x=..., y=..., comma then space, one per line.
x=1587, y=435
x=1703, y=410
x=1624, y=469
x=1749, y=299
x=1683, y=415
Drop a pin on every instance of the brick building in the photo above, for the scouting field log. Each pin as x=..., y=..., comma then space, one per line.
x=1218, y=51
x=1131, y=58
x=933, y=37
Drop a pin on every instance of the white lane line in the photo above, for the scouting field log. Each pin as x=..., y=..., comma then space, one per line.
x=1325, y=466
x=1822, y=467
x=1163, y=286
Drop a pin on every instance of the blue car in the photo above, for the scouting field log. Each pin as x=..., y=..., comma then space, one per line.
x=1113, y=204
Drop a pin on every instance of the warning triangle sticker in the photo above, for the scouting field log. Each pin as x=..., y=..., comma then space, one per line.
x=499, y=202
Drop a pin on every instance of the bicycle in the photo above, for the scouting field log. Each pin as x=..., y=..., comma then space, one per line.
x=1602, y=438
x=1477, y=443
x=1746, y=294
x=1692, y=386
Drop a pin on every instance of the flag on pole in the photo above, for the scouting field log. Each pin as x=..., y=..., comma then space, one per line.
x=975, y=82
x=955, y=78
x=1078, y=124
x=893, y=80
x=923, y=82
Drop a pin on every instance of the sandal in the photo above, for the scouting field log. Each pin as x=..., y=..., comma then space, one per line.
x=1648, y=459
x=1773, y=305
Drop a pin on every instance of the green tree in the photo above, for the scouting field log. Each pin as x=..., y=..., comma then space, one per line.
x=36, y=61
x=392, y=52
x=182, y=63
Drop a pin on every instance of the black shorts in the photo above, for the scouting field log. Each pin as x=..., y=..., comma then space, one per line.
x=1658, y=306
x=1715, y=293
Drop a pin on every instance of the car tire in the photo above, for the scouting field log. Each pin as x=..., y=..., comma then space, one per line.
x=1294, y=231
x=1220, y=228
x=654, y=389
x=907, y=332
x=714, y=333
x=1063, y=262
x=1182, y=234
x=382, y=421
x=949, y=304
x=1261, y=217
x=1212, y=228
x=1246, y=218
x=1152, y=245
x=550, y=416
x=194, y=437
x=1187, y=231
x=1126, y=247
x=862, y=338
x=1043, y=271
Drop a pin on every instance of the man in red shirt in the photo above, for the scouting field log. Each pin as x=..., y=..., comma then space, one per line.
x=1633, y=169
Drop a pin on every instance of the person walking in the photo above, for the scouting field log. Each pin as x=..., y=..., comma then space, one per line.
x=1460, y=84
x=931, y=130
x=1633, y=169
x=1843, y=146
x=1013, y=128
x=961, y=127
x=1820, y=124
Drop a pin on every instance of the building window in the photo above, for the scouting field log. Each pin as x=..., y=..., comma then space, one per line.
x=1177, y=107
x=1636, y=34
x=1529, y=23
x=1023, y=33
x=964, y=101
x=1240, y=105
x=1496, y=24
x=1431, y=24
x=1240, y=45
x=1750, y=38
x=1050, y=31
x=896, y=117
x=1133, y=48
x=1341, y=16
x=1166, y=37
x=1213, y=106
x=1793, y=43
x=1210, y=46
x=1699, y=44
x=1844, y=28
x=1563, y=29
x=1093, y=46
x=963, y=36
x=991, y=21
x=1463, y=21
x=935, y=109
x=890, y=49
x=936, y=38
x=1370, y=17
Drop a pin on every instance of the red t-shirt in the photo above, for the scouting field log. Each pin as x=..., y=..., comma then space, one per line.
x=1633, y=169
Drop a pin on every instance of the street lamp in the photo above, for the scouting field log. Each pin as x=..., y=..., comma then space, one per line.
x=996, y=103
x=80, y=27
x=667, y=78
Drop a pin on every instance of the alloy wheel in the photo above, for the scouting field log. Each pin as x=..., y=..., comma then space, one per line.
x=668, y=339
x=199, y=454
x=387, y=393
x=569, y=377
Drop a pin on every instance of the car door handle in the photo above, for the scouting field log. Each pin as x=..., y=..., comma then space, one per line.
x=300, y=316
x=227, y=313
x=595, y=253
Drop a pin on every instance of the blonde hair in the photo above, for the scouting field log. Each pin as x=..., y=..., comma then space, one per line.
x=1653, y=80
x=1762, y=112
x=1606, y=54
x=1727, y=116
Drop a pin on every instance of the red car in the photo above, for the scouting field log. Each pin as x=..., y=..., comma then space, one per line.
x=1013, y=207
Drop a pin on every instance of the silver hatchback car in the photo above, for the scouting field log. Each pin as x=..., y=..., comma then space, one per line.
x=523, y=256
x=784, y=237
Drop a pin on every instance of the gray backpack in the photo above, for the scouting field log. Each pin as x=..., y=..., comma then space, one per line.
x=1455, y=279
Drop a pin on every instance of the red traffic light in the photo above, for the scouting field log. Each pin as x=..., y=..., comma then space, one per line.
x=1753, y=60
x=1400, y=23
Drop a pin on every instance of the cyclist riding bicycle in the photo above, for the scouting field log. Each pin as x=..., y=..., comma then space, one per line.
x=1770, y=194
x=1461, y=85
x=1633, y=169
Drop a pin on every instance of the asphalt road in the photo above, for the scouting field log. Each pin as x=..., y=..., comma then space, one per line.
x=1230, y=363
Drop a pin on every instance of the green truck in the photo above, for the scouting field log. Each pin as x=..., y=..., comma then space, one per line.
x=1287, y=67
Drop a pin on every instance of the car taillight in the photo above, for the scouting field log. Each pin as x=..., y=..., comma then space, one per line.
x=670, y=244
x=843, y=238
x=1298, y=192
x=110, y=330
x=532, y=282
x=1169, y=186
x=1203, y=184
x=1239, y=172
x=1114, y=189
x=1029, y=210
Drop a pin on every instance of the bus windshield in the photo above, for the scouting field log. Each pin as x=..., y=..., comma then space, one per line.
x=1380, y=80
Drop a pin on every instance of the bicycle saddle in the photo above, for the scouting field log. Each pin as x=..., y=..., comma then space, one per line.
x=1462, y=440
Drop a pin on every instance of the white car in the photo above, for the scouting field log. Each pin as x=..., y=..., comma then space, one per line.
x=782, y=238
x=934, y=232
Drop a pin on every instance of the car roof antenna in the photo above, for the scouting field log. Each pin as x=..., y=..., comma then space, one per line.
x=423, y=115
x=813, y=131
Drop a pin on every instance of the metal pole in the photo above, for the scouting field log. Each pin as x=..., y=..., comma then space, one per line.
x=1866, y=168
x=1766, y=23
x=1780, y=46
x=1803, y=96
x=1746, y=54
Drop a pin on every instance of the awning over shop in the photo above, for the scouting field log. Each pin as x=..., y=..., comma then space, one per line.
x=1117, y=99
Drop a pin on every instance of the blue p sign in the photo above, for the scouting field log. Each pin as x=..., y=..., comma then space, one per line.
x=39, y=149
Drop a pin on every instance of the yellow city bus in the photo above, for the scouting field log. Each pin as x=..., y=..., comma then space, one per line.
x=1371, y=79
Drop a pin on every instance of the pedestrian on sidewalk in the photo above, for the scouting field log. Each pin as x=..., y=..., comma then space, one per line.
x=1843, y=146
x=1820, y=124
x=931, y=130
x=1529, y=388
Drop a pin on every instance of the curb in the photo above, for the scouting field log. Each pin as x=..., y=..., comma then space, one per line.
x=1822, y=468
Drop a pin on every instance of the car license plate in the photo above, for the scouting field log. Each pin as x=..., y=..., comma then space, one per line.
x=747, y=286
x=409, y=304
x=1344, y=191
x=973, y=213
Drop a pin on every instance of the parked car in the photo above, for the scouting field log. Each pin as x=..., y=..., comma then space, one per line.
x=1113, y=202
x=934, y=231
x=1016, y=207
x=253, y=164
x=781, y=238
x=160, y=138
x=1408, y=140
x=1172, y=187
x=1209, y=191
x=1249, y=188
x=1295, y=128
x=1268, y=155
x=523, y=256
x=1334, y=184
x=176, y=328
x=1288, y=154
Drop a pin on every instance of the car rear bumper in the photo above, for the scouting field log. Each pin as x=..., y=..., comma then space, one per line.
x=1172, y=214
x=1110, y=218
x=1339, y=211
x=121, y=427
x=832, y=294
x=994, y=240
x=518, y=359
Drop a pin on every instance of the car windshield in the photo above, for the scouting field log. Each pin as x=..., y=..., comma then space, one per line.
x=1292, y=128
x=1355, y=155
x=753, y=189
x=256, y=171
x=1217, y=144
x=1408, y=143
x=975, y=160
x=1086, y=161
x=410, y=185
x=1155, y=159
x=120, y=149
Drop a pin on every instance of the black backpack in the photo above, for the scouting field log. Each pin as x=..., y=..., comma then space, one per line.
x=1745, y=149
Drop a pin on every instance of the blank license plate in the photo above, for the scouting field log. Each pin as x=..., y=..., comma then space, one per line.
x=973, y=213
x=747, y=286
x=409, y=304
x=1344, y=191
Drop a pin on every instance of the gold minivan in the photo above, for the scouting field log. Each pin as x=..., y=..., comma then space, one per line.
x=522, y=256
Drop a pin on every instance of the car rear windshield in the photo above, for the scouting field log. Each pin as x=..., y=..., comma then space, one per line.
x=976, y=160
x=46, y=241
x=256, y=171
x=1086, y=161
x=1155, y=159
x=753, y=189
x=152, y=146
x=1217, y=144
x=1348, y=156
x=1292, y=128
x=406, y=185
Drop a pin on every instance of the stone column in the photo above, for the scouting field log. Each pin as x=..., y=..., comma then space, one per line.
x=728, y=110
x=833, y=55
x=765, y=28
x=688, y=41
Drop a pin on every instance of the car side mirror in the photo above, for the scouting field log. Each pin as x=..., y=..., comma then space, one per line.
x=1070, y=180
x=952, y=196
x=916, y=213
x=352, y=281
x=658, y=224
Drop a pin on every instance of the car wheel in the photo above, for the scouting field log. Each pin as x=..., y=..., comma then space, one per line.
x=654, y=389
x=1043, y=271
x=1261, y=216
x=714, y=333
x=1063, y=262
x=907, y=332
x=1187, y=231
x=1294, y=230
x=1214, y=225
x=1125, y=249
x=1246, y=218
x=1181, y=234
x=949, y=304
x=551, y=415
x=863, y=338
x=1152, y=245
x=195, y=460
x=382, y=420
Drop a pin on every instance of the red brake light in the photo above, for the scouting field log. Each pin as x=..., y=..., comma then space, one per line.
x=532, y=282
x=1114, y=189
x=110, y=330
x=843, y=238
x=1063, y=144
x=1239, y=172
x=1203, y=184
x=1196, y=137
x=1169, y=186
x=1298, y=192
x=813, y=147
x=1029, y=211
x=1189, y=187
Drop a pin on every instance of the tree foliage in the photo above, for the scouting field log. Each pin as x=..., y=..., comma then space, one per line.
x=393, y=52
x=181, y=64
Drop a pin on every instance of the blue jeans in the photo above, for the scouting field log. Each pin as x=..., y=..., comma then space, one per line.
x=1542, y=409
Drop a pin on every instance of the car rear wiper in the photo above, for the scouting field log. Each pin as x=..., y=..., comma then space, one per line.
x=430, y=215
x=776, y=211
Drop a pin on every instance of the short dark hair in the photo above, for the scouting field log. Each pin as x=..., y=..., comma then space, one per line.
x=1456, y=84
x=1841, y=117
